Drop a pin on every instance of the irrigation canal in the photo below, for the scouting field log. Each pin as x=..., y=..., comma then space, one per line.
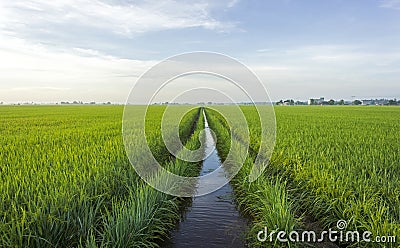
x=211, y=220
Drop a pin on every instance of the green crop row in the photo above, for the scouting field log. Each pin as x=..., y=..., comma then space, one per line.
x=329, y=164
x=265, y=201
x=67, y=182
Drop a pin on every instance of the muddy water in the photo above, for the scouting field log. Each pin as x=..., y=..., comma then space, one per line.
x=211, y=220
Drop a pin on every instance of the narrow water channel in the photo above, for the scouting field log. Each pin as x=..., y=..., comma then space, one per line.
x=211, y=220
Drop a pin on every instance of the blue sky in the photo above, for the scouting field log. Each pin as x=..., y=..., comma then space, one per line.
x=95, y=50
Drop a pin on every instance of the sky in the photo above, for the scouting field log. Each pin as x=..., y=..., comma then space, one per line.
x=84, y=50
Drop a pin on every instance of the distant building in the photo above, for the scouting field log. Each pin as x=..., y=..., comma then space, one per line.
x=367, y=102
x=382, y=102
x=288, y=102
x=319, y=101
x=300, y=103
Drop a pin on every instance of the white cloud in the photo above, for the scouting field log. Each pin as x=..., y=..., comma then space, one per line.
x=390, y=4
x=123, y=18
x=29, y=68
x=264, y=50
x=55, y=50
x=270, y=68
x=232, y=3
x=38, y=88
x=330, y=70
x=342, y=55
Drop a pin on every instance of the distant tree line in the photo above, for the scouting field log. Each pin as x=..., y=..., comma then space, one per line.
x=321, y=101
x=80, y=102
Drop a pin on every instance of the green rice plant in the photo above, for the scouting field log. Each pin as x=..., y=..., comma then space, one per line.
x=265, y=200
x=337, y=163
x=66, y=178
x=146, y=216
